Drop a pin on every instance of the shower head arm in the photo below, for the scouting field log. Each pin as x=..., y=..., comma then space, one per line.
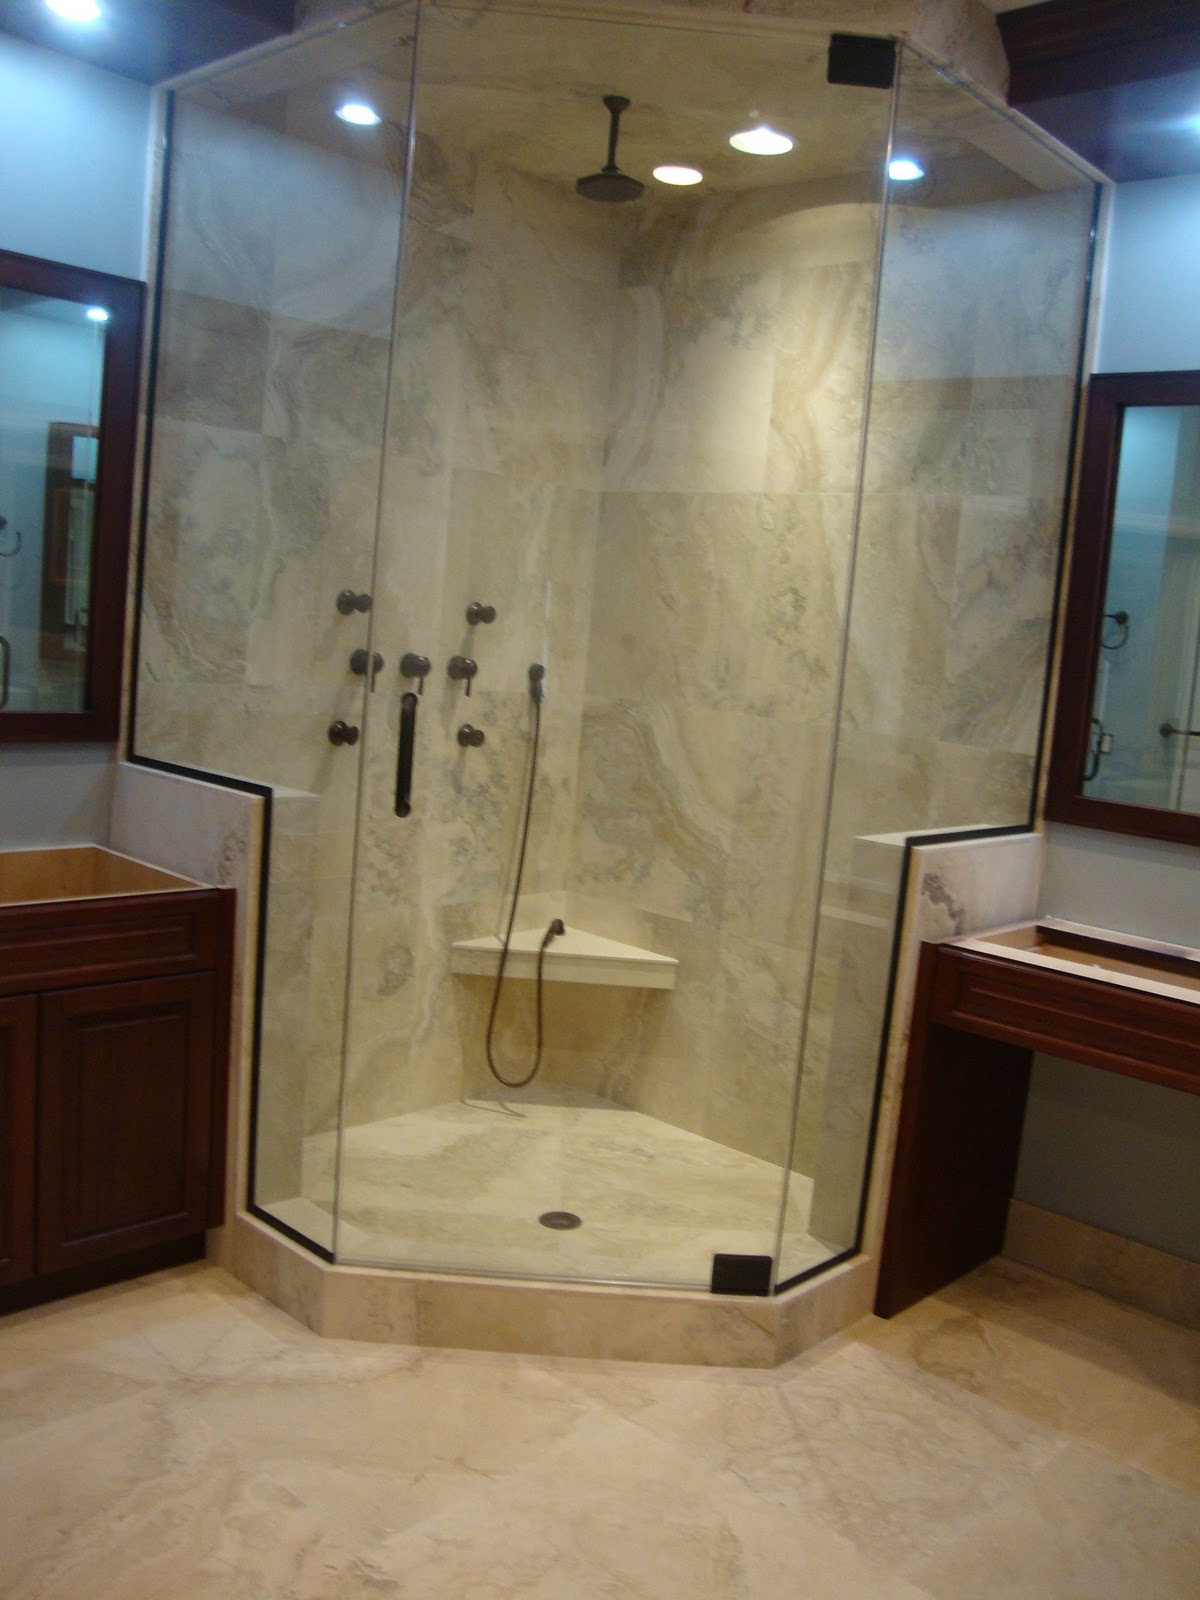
x=616, y=103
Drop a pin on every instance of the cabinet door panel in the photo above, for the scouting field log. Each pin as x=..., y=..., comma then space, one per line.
x=18, y=1058
x=126, y=1084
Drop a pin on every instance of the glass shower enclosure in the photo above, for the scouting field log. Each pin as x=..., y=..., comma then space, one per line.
x=766, y=472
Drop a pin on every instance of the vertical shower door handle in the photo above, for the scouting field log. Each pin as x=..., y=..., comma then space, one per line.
x=5, y=664
x=404, y=753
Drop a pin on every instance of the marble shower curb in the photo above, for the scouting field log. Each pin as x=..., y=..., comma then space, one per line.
x=532, y=1317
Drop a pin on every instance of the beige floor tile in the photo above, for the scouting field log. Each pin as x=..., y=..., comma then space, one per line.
x=177, y=1436
x=1085, y=1528
x=1070, y=1360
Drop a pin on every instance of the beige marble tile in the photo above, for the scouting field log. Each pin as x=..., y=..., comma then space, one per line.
x=1123, y=1268
x=1066, y=1359
x=179, y=1435
x=1082, y=1526
x=460, y=1186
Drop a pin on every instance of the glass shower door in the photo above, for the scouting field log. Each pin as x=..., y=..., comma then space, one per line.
x=633, y=430
x=277, y=290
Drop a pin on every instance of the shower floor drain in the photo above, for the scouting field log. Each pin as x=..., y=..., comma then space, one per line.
x=560, y=1219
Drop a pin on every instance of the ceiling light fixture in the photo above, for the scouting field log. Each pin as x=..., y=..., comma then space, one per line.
x=76, y=10
x=97, y=314
x=682, y=177
x=359, y=113
x=905, y=170
x=761, y=141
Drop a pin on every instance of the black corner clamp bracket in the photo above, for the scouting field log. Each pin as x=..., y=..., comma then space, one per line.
x=862, y=61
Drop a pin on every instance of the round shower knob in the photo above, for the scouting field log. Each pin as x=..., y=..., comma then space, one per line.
x=467, y=735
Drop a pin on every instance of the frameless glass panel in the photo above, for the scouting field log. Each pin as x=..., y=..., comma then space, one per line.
x=633, y=429
x=1145, y=745
x=981, y=307
x=278, y=286
x=51, y=373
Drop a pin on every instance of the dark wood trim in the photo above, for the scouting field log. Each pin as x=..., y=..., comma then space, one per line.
x=956, y=1154
x=124, y=298
x=118, y=1169
x=1108, y=395
x=99, y=1274
x=219, y=1136
x=18, y=1100
x=977, y=1019
x=65, y=944
x=1129, y=1031
x=1066, y=47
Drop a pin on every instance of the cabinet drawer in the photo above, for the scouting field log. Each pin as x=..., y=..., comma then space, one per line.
x=62, y=944
x=1134, y=1032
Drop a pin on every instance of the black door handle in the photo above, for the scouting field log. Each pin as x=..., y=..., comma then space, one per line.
x=404, y=753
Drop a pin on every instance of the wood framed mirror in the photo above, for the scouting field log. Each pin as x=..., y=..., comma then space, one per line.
x=70, y=342
x=1125, y=755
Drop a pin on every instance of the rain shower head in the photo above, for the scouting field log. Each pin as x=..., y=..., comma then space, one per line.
x=610, y=183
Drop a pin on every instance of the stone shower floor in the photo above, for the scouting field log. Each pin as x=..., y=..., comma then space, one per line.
x=460, y=1186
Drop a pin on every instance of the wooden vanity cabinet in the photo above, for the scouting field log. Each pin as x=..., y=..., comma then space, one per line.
x=18, y=1084
x=112, y=1094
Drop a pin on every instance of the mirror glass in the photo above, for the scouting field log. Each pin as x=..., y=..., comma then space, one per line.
x=70, y=340
x=51, y=373
x=1144, y=737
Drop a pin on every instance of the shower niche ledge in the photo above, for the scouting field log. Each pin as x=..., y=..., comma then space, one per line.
x=574, y=957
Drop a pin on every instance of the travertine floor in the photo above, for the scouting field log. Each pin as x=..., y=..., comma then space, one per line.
x=461, y=1186
x=1014, y=1438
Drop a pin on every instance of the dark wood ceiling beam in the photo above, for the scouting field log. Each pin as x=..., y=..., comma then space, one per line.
x=1070, y=46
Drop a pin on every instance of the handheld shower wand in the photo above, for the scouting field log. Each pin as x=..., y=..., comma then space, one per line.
x=537, y=693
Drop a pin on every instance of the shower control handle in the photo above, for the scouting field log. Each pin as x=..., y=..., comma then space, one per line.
x=404, y=752
x=462, y=668
x=467, y=735
x=348, y=601
x=342, y=732
x=361, y=661
x=414, y=666
x=478, y=612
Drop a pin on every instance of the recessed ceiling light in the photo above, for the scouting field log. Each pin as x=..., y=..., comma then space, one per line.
x=97, y=314
x=905, y=170
x=680, y=176
x=359, y=113
x=76, y=10
x=761, y=141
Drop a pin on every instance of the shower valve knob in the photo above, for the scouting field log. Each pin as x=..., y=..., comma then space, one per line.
x=348, y=601
x=414, y=666
x=478, y=612
x=342, y=732
x=362, y=661
x=462, y=669
x=469, y=736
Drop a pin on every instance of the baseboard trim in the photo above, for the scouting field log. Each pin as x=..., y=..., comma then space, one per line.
x=1137, y=1274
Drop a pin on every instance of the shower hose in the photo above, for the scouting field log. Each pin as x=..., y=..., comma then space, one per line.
x=537, y=675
